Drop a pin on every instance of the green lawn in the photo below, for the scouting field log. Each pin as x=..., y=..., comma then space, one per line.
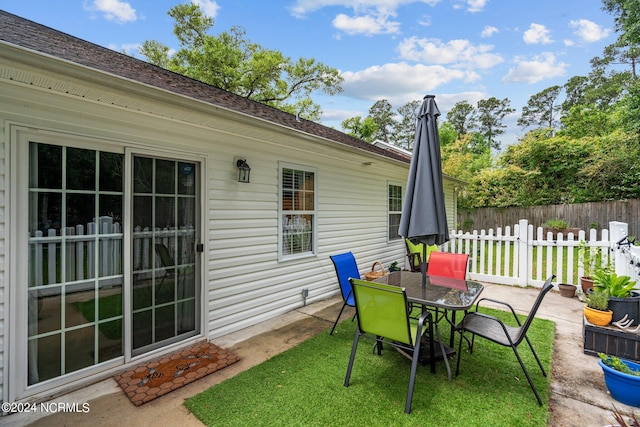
x=304, y=387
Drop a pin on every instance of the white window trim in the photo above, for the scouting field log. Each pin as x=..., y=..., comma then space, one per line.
x=314, y=212
x=389, y=212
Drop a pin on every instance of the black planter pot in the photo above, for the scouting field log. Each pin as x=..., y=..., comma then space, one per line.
x=629, y=307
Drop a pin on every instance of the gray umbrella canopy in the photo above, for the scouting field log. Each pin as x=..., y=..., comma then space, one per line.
x=424, y=216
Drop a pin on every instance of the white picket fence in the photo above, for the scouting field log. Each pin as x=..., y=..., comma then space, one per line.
x=520, y=255
x=95, y=250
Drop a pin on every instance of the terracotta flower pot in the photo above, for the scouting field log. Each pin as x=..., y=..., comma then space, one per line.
x=597, y=317
x=586, y=283
x=567, y=290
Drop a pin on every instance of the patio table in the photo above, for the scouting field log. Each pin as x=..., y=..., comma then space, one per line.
x=439, y=293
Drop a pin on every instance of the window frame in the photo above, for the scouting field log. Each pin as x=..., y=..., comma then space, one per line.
x=282, y=256
x=390, y=212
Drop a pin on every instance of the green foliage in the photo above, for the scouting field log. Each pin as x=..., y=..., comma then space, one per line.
x=607, y=281
x=360, y=128
x=586, y=120
x=588, y=258
x=598, y=300
x=617, y=364
x=556, y=224
x=232, y=62
x=542, y=170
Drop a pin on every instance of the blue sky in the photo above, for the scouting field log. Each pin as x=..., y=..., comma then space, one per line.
x=399, y=50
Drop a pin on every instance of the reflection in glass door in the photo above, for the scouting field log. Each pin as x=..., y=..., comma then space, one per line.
x=164, y=281
x=75, y=279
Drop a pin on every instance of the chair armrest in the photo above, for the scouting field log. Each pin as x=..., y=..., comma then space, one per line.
x=425, y=318
x=515, y=316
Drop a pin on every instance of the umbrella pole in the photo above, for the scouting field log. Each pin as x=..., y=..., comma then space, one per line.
x=423, y=267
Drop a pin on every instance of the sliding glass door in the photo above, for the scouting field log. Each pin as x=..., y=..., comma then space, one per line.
x=86, y=306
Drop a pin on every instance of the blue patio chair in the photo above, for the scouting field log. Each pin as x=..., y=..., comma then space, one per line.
x=493, y=329
x=383, y=315
x=346, y=268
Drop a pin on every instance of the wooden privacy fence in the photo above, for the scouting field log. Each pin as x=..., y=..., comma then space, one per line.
x=95, y=250
x=579, y=215
x=521, y=255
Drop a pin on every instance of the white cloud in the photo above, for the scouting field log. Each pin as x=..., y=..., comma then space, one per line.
x=113, y=10
x=209, y=7
x=476, y=5
x=425, y=20
x=400, y=82
x=460, y=53
x=488, y=31
x=589, y=31
x=301, y=8
x=132, y=49
x=367, y=25
x=536, y=34
x=369, y=16
x=541, y=67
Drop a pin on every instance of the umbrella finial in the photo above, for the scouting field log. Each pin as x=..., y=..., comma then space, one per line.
x=429, y=96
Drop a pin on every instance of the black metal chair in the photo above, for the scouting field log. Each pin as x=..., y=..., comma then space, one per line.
x=493, y=329
x=167, y=261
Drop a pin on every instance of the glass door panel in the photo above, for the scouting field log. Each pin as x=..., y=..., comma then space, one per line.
x=164, y=295
x=75, y=260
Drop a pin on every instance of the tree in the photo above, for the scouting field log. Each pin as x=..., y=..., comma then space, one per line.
x=360, y=128
x=540, y=109
x=626, y=18
x=574, y=90
x=382, y=115
x=448, y=135
x=404, y=129
x=462, y=117
x=491, y=113
x=232, y=62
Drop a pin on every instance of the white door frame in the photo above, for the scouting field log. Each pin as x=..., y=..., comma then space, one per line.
x=15, y=320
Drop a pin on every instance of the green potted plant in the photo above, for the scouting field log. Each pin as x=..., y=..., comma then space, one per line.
x=622, y=378
x=597, y=309
x=588, y=256
x=623, y=300
x=394, y=266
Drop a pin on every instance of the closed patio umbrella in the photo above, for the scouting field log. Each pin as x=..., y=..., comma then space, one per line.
x=424, y=216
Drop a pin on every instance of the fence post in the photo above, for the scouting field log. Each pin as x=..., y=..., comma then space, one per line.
x=618, y=231
x=523, y=258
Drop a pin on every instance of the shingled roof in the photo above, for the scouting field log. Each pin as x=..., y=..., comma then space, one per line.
x=36, y=37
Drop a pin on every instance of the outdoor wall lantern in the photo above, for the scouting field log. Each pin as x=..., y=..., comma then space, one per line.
x=243, y=170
